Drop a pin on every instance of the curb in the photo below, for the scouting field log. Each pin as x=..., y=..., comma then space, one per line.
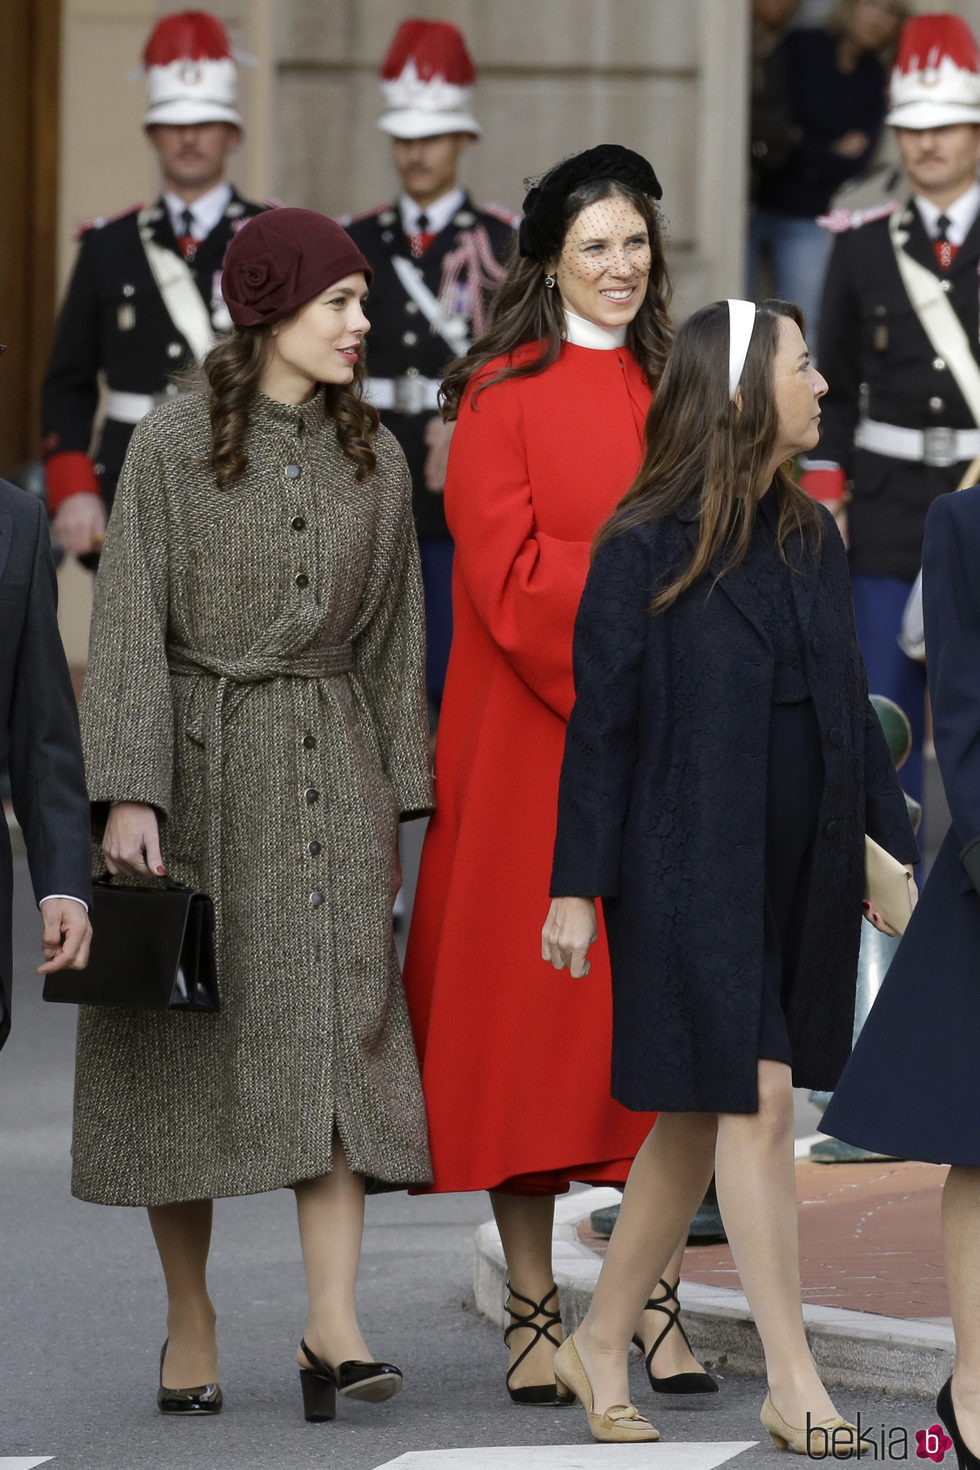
x=851, y=1349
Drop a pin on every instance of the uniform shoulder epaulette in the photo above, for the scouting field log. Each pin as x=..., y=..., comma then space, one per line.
x=839, y=221
x=106, y=219
x=372, y=213
x=506, y=216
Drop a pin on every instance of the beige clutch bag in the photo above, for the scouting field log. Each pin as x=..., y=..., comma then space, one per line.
x=886, y=886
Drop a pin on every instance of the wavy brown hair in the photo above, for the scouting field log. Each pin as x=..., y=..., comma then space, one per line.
x=233, y=370
x=700, y=443
x=525, y=310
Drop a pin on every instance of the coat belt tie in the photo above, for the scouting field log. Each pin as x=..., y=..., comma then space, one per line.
x=258, y=667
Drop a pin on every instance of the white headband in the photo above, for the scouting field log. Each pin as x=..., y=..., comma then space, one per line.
x=741, y=323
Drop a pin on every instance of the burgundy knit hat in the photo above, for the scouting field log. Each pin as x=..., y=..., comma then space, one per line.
x=281, y=259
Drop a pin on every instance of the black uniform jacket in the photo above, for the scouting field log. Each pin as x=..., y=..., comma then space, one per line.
x=662, y=813
x=114, y=323
x=872, y=345
x=910, y=1087
x=39, y=739
x=401, y=340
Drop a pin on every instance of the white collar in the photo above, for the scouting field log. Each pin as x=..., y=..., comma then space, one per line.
x=961, y=214
x=206, y=210
x=438, y=213
x=583, y=333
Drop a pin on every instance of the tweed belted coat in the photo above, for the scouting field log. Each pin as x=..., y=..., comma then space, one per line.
x=662, y=814
x=255, y=675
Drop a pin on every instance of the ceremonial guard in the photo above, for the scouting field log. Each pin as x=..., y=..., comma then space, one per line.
x=437, y=260
x=899, y=345
x=144, y=300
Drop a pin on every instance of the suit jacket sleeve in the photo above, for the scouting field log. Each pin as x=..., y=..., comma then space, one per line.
x=126, y=706
x=839, y=356
x=615, y=634
x=524, y=585
x=70, y=391
x=46, y=774
x=389, y=643
x=951, y=603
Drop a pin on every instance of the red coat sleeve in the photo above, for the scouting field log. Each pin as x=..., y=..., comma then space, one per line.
x=524, y=585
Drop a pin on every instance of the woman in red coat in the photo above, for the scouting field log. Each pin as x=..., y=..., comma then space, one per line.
x=551, y=405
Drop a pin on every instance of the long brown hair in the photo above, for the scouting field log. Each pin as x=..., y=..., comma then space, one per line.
x=700, y=443
x=525, y=310
x=233, y=370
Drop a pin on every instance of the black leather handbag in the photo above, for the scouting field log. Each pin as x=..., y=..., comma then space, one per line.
x=152, y=949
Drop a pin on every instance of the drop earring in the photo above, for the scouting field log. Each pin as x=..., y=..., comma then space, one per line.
x=549, y=282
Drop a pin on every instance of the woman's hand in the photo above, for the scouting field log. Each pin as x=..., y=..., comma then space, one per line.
x=132, y=841
x=568, y=931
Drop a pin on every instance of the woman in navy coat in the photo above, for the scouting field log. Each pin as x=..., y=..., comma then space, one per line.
x=722, y=766
x=910, y=1087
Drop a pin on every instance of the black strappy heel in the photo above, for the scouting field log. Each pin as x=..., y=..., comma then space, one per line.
x=677, y=1382
x=542, y=1395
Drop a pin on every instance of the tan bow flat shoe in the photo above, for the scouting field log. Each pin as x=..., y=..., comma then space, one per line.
x=622, y=1424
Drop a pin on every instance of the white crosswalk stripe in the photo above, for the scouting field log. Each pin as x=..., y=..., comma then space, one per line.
x=23, y=1462
x=659, y=1456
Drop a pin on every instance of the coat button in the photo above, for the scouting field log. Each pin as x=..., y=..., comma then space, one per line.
x=946, y=286
x=411, y=309
x=939, y=364
x=312, y=796
x=316, y=898
x=315, y=849
x=309, y=742
x=174, y=349
x=302, y=580
x=410, y=338
x=293, y=471
x=298, y=523
x=937, y=405
x=830, y=830
x=129, y=290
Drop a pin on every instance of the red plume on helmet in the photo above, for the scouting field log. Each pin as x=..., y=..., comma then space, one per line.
x=936, y=78
x=191, y=75
x=427, y=79
x=437, y=50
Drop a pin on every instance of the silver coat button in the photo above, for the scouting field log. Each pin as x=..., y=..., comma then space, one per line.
x=316, y=898
x=936, y=404
x=409, y=339
x=129, y=290
x=411, y=309
x=174, y=349
x=939, y=364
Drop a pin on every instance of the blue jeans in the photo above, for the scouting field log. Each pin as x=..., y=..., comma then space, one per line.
x=798, y=251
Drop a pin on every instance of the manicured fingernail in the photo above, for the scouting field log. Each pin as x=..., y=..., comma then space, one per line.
x=161, y=870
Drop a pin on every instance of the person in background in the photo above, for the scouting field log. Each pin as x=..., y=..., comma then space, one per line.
x=437, y=259
x=722, y=766
x=144, y=300
x=898, y=426
x=771, y=127
x=549, y=406
x=836, y=82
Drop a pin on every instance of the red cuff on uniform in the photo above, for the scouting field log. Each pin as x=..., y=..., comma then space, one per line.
x=829, y=484
x=69, y=473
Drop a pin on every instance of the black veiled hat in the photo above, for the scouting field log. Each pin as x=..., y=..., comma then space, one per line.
x=542, y=227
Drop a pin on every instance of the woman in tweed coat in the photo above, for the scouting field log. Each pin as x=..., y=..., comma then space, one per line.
x=254, y=723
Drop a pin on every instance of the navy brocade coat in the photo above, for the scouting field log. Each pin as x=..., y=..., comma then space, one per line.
x=910, y=1088
x=662, y=813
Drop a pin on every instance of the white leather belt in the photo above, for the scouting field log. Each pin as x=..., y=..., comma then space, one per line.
x=128, y=408
x=936, y=447
x=410, y=393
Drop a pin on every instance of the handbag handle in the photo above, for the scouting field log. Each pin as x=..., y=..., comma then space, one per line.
x=105, y=879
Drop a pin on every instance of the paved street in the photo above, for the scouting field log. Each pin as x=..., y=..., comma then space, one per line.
x=83, y=1318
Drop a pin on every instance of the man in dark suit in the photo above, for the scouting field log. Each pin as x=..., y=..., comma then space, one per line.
x=40, y=745
x=897, y=427
x=437, y=260
x=144, y=300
